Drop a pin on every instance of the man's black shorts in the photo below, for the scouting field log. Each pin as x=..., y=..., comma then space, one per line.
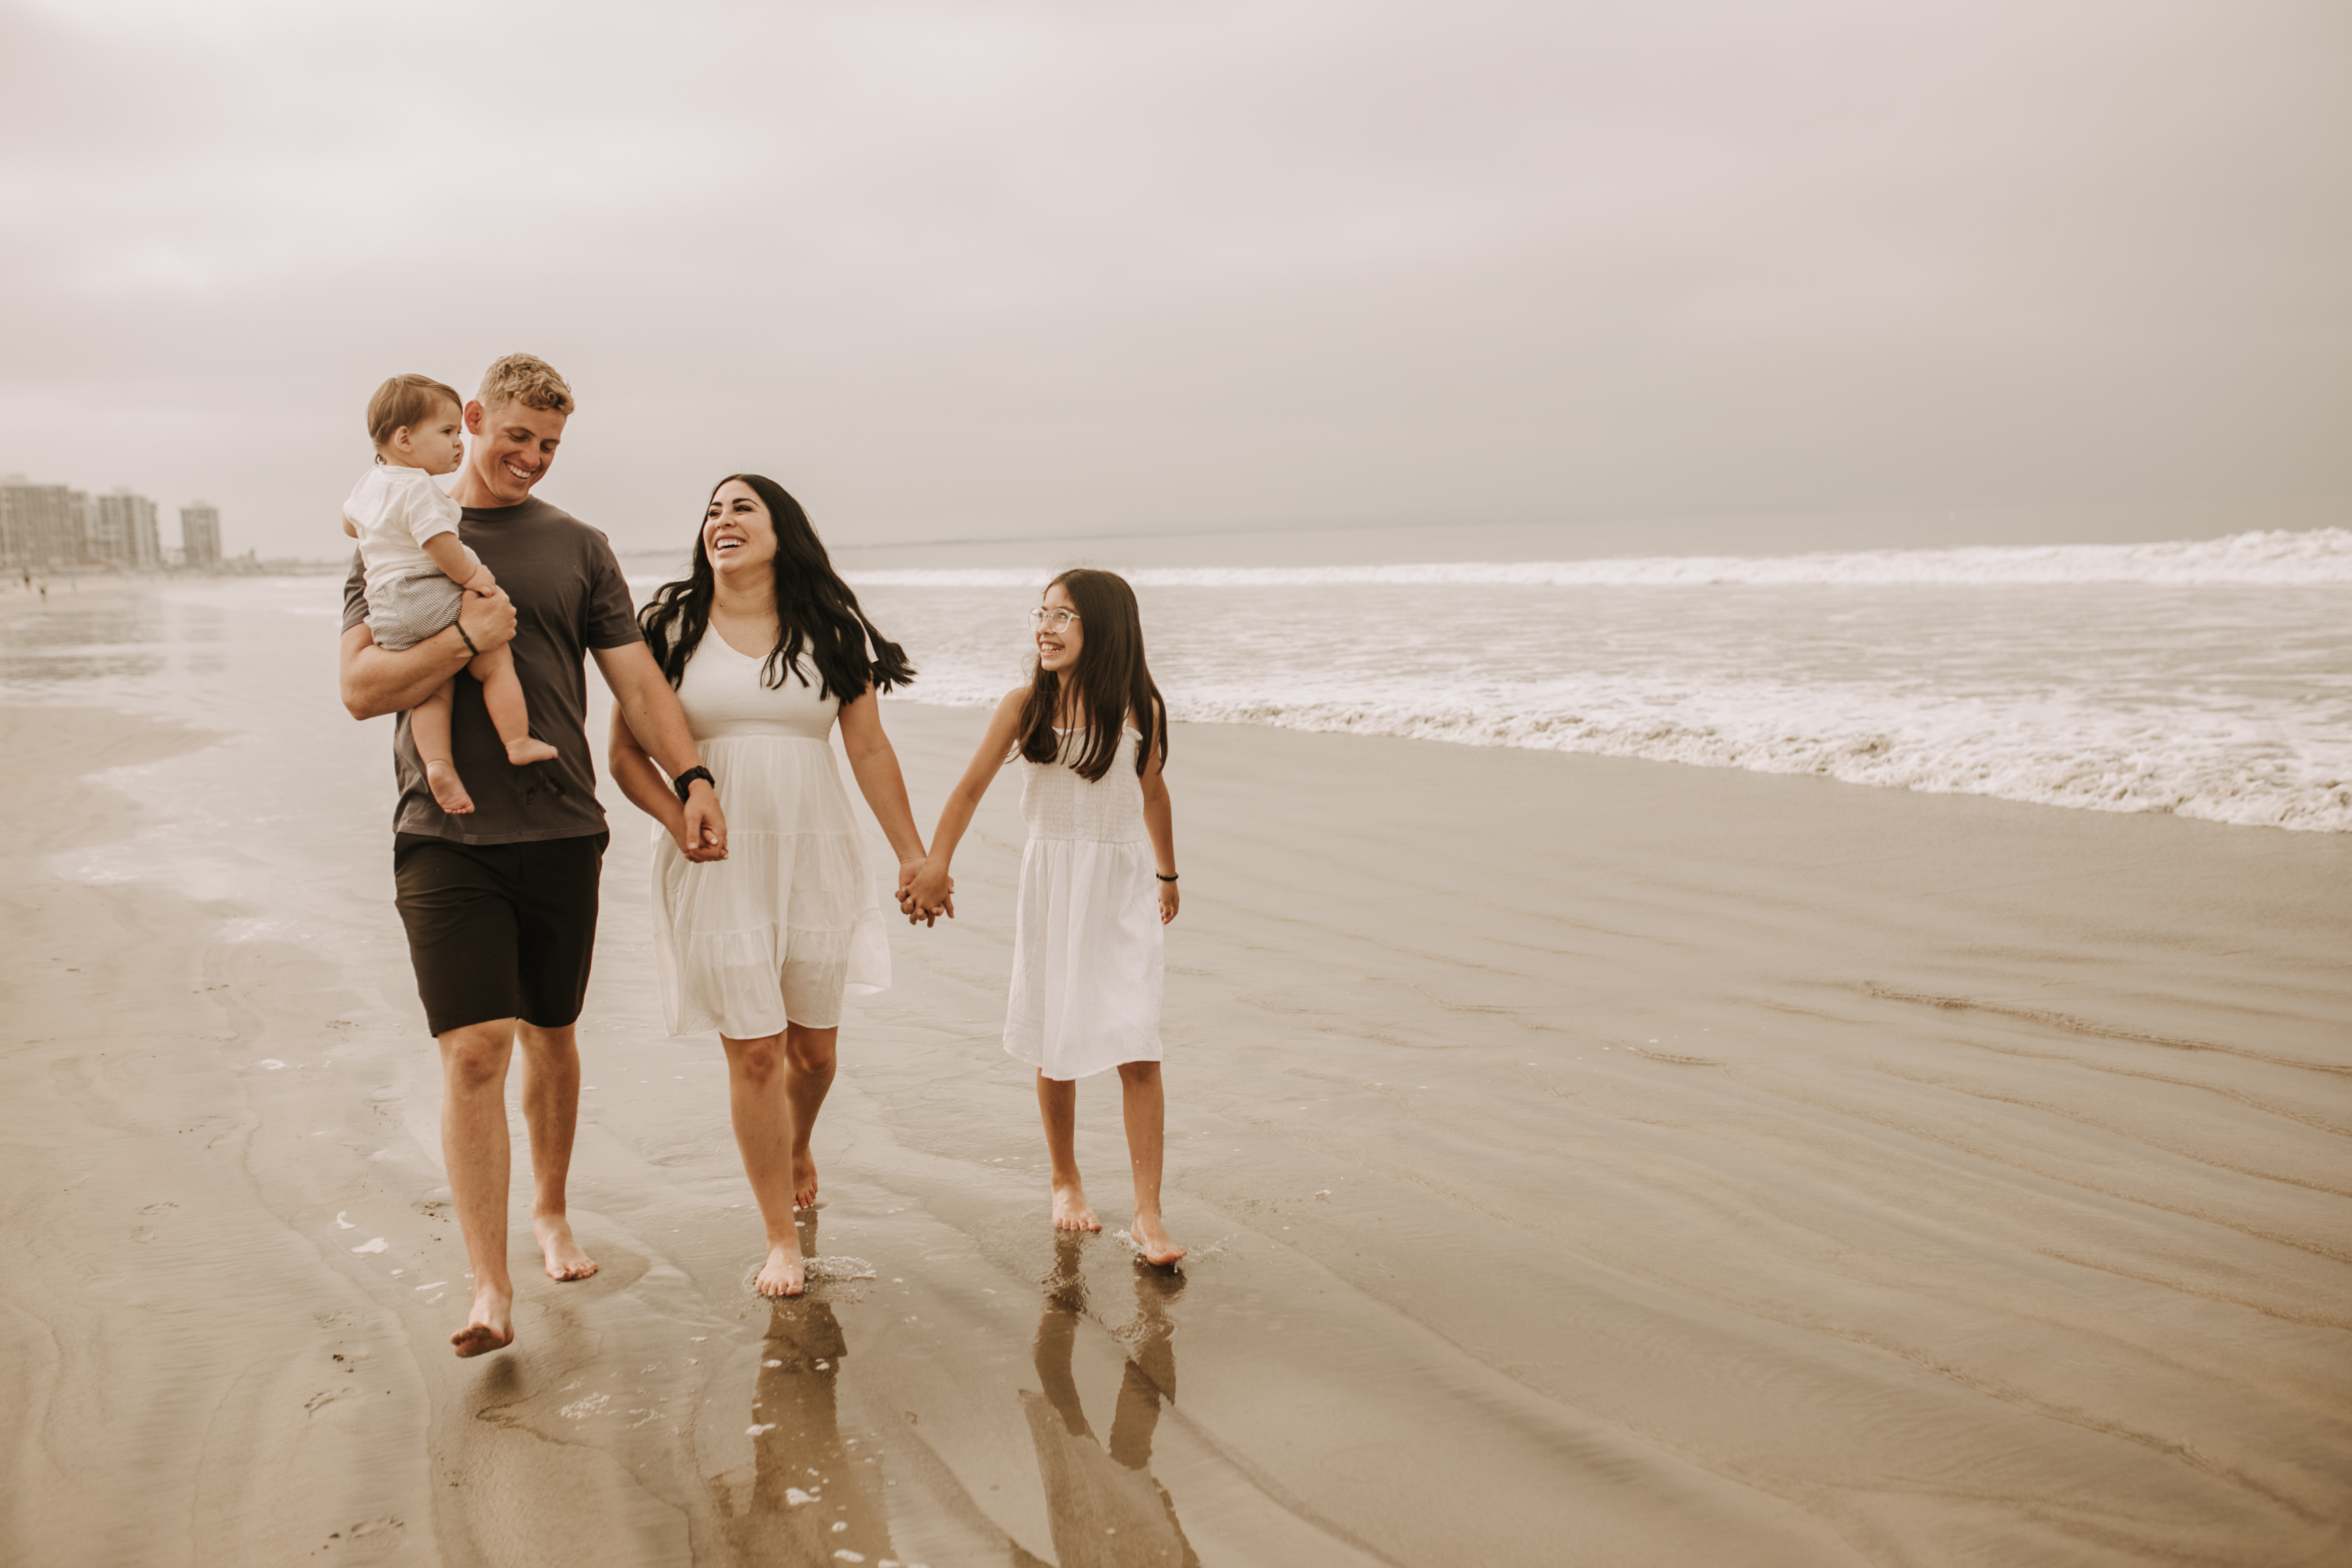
x=499, y=931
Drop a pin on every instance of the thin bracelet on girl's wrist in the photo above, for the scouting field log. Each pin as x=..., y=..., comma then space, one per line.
x=459, y=626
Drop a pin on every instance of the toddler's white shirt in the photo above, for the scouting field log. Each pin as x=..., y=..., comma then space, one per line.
x=397, y=509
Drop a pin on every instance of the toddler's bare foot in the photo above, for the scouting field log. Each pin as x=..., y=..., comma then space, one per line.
x=1150, y=1238
x=783, y=1275
x=803, y=1179
x=491, y=1326
x=448, y=789
x=1071, y=1210
x=530, y=749
x=564, y=1259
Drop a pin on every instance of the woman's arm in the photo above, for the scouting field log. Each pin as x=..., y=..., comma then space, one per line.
x=876, y=765
x=376, y=681
x=1158, y=820
x=647, y=711
x=931, y=884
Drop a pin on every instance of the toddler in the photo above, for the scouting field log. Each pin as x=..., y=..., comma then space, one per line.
x=418, y=573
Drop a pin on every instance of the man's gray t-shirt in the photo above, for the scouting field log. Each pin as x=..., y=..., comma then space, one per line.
x=569, y=597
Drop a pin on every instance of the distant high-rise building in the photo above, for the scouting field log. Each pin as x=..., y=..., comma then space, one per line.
x=42, y=527
x=122, y=529
x=199, y=534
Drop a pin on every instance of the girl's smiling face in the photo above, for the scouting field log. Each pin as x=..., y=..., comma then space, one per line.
x=738, y=535
x=1061, y=635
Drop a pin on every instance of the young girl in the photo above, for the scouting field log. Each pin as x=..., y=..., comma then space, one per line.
x=419, y=572
x=1098, y=879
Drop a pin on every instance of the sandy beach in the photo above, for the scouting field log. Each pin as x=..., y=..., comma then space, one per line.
x=1585, y=1160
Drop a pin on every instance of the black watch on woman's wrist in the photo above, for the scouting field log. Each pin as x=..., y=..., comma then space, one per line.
x=684, y=781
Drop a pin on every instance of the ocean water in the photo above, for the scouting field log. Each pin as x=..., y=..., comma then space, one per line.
x=2212, y=679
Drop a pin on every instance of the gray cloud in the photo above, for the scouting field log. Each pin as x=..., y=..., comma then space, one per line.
x=972, y=268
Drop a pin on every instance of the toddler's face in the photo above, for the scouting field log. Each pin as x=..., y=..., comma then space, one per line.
x=436, y=444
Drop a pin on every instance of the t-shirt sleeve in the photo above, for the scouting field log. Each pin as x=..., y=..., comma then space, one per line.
x=426, y=512
x=355, y=604
x=612, y=613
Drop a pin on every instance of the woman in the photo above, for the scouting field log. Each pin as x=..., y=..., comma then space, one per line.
x=767, y=650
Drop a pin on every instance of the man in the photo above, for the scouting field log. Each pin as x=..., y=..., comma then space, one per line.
x=501, y=905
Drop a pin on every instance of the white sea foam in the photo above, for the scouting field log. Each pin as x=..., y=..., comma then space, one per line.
x=2274, y=557
x=2210, y=680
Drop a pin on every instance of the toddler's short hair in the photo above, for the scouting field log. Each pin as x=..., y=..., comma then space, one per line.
x=404, y=402
x=526, y=379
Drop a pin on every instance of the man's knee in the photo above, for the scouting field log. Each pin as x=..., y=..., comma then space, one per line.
x=474, y=1056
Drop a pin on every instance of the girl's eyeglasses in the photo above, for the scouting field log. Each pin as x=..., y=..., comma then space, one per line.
x=1051, y=620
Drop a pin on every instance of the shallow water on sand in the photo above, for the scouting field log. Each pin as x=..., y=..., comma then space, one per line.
x=1587, y=1160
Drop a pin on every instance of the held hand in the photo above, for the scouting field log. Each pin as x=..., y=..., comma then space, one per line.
x=702, y=833
x=925, y=893
x=1167, y=902
x=487, y=621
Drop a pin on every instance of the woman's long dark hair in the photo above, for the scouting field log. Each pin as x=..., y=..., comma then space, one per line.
x=1112, y=683
x=814, y=609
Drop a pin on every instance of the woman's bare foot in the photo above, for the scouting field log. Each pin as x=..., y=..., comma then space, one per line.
x=528, y=749
x=564, y=1259
x=491, y=1326
x=803, y=1179
x=1150, y=1238
x=783, y=1273
x=448, y=789
x=1071, y=1210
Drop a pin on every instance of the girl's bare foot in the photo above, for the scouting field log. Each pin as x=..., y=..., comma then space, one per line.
x=448, y=789
x=491, y=1326
x=783, y=1275
x=528, y=749
x=803, y=1179
x=1071, y=1210
x=564, y=1259
x=1150, y=1238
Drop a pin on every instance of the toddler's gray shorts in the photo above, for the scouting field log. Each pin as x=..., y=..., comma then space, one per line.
x=413, y=609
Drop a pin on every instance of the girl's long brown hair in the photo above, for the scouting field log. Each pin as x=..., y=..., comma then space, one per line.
x=1111, y=682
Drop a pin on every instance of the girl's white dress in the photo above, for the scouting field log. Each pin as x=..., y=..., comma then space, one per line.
x=1088, y=946
x=792, y=918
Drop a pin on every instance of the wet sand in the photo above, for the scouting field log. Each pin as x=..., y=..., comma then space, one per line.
x=1586, y=1160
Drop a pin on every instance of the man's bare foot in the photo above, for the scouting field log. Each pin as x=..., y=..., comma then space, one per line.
x=1071, y=1210
x=803, y=1179
x=448, y=789
x=531, y=748
x=1150, y=1238
x=782, y=1274
x=564, y=1259
x=491, y=1326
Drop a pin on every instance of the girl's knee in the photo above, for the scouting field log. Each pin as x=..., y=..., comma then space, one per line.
x=754, y=1061
x=810, y=1050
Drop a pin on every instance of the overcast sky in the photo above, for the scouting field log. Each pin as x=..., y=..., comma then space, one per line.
x=999, y=268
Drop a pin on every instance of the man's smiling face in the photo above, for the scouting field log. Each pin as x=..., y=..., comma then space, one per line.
x=514, y=446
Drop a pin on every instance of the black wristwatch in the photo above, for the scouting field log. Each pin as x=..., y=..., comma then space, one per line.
x=684, y=781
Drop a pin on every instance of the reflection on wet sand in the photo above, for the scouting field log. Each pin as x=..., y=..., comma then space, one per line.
x=1107, y=1511
x=814, y=1496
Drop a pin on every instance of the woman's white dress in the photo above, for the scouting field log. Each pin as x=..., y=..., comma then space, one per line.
x=792, y=918
x=1088, y=946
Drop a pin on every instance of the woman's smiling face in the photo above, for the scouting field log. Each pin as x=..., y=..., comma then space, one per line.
x=1058, y=645
x=738, y=535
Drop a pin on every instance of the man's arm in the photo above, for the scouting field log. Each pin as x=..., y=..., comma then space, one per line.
x=644, y=702
x=375, y=682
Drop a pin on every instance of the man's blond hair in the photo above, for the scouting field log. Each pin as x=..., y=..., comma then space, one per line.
x=526, y=379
